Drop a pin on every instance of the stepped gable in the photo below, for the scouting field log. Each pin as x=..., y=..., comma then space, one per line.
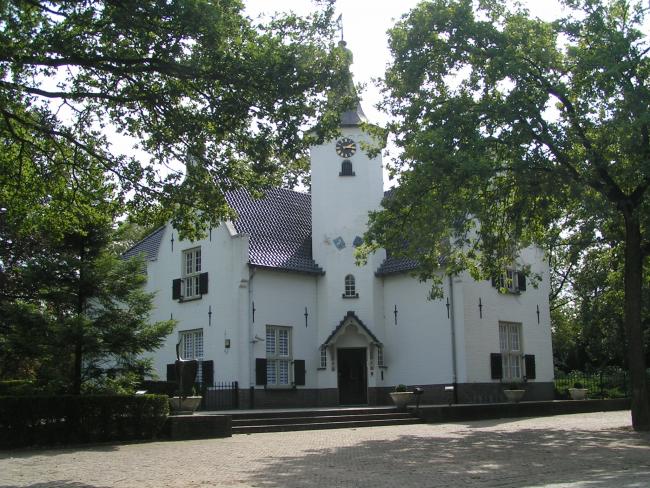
x=279, y=226
x=148, y=246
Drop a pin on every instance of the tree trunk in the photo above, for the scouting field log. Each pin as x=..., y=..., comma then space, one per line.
x=636, y=358
x=76, y=379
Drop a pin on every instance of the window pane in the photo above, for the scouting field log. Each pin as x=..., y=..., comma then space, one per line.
x=189, y=267
x=270, y=373
x=270, y=340
x=197, y=261
x=283, y=373
x=283, y=342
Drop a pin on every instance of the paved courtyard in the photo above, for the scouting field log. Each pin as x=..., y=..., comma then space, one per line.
x=582, y=450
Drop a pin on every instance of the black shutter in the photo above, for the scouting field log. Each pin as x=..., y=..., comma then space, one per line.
x=299, y=372
x=521, y=278
x=207, y=373
x=171, y=372
x=530, y=366
x=496, y=366
x=260, y=371
x=203, y=283
x=176, y=289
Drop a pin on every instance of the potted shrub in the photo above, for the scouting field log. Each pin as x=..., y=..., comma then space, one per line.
x=514, y=391
x=401, y=396
x=578, y=392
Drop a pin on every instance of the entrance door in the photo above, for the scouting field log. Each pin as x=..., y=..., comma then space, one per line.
x=353, y=382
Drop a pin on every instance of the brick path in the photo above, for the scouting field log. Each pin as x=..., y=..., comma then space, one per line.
x=584, y=450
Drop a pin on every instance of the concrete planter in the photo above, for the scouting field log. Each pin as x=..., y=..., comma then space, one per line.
x=184, y=405
x=402, y=398
x=578, y=393
x=514, y=396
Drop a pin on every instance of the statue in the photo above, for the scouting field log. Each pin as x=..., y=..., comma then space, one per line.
x=185, y=373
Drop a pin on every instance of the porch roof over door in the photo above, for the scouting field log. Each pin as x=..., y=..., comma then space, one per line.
x=351, y=318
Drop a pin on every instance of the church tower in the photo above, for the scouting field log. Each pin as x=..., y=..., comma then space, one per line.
x=346, y=185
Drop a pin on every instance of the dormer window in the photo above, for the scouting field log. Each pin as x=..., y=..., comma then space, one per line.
x=346, y=168
x=511, y=280
x=350, y=287
x=193, y=283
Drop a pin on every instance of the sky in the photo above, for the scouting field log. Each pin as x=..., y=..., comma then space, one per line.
x=365, y=23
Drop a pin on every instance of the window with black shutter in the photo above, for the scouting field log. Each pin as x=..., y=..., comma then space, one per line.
x=521, y=281
x=176, y=289
x=203, y=283
x=529, y=360
x=496, y=367
x=171, y=372
x=260, y=371
x=299, y=372
x=207, y=373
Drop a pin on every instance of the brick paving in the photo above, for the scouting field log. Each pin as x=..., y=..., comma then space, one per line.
x=582, y=450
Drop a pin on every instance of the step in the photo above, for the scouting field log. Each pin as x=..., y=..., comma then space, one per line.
x=258, y=414
x=251, y=429
x=236, y=421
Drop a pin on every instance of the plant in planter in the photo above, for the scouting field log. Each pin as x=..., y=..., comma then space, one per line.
x=401, y=396
x=578, y=392
x=514, y=391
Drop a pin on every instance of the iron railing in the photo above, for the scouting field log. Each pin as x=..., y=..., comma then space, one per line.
x=600, y=384
x=222, y=395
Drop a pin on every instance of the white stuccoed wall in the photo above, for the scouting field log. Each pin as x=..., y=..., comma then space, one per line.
x=418, y=348
x=482, y=335
x=340, y=206
x=280, y=299
x=224, y=258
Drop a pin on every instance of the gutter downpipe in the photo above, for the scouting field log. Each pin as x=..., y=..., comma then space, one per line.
x=453, y=338
x=251, y=335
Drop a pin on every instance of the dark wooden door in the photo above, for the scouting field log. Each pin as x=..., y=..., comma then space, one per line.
x=353, y=380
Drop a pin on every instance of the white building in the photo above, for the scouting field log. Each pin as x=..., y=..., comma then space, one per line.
x=275, y=301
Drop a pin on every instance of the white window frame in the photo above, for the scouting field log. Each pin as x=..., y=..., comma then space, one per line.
x=323, y=357
x=350, y=287
x=510, y=341
x=191, y=347
x=279, y=358
x=380, y=357
x=191, y=271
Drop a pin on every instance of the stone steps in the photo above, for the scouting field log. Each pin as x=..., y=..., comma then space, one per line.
x=284, y=421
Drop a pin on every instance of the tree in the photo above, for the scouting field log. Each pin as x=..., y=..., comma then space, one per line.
x=73, y=315
x=515, y=131
x=195, y=82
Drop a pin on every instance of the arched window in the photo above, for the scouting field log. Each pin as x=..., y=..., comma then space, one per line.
x=350, y=288
x=346, y=168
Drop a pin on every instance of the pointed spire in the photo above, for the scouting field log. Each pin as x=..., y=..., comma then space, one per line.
x=350, y=118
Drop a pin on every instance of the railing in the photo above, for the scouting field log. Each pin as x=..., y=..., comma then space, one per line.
x=223, y=395
x=600, y=385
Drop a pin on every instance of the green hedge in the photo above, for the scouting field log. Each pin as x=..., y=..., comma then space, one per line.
x=51, y=420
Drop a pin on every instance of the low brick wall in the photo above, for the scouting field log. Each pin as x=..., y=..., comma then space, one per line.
x=198, y=426
x=452, y=413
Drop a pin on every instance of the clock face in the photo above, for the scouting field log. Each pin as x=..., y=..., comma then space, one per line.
x=346, y=147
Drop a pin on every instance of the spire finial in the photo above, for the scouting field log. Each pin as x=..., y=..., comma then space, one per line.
x=339, y=24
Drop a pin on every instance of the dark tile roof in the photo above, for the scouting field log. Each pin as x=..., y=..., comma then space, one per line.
x=353, y=118
x=392, y=265
x=279, y=226
x=350, y=315
x=148, y=246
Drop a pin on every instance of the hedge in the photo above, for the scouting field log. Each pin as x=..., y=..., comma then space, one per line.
x=52, y=420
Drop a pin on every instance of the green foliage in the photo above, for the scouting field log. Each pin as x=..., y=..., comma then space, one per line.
x=515, y=131
x=400, y=388
x=54, y=420
x=214, y=99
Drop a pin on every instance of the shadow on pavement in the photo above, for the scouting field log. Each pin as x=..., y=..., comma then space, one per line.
x=525, y=458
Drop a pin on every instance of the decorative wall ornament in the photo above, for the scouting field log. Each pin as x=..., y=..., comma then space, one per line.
x=253, y=310
x=480, y=308
x=357, y=241
x=209, y=315
x=306, y=316
x=172, y=241
x=448, y=305
x=395, y=313
x=339, y=243
x=538, y=313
